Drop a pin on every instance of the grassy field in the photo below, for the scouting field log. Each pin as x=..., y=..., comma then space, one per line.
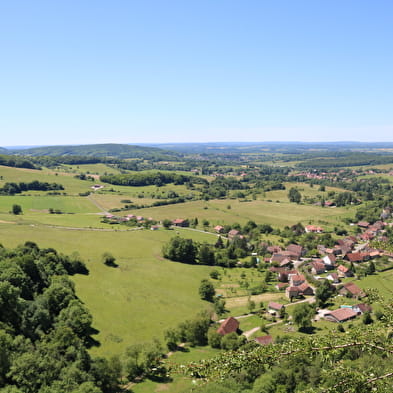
x=305, y=189
x=91, y=169
x=76, y=211
x=136, y=301
x=276, y=214
x=67, y=204
x=71, y=185
x=381, y=281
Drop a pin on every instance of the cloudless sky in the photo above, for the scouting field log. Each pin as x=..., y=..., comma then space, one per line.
x=92, y=71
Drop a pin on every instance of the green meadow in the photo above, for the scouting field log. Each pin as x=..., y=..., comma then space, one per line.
x=382, y=281
x=305, y=190
x=71, y=184
x=136, y=301
x=230, y=211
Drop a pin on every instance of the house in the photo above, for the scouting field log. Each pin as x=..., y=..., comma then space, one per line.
x=233, y=233
x=286, y=262
x=321, y=248
x=230, y=325
x=366, y=236
x=154, y=227
x=329, y=260
x=292, y=292
x=362, y=308
x=296, y=279
x=317, y=267
x=276, y=269
x=219, y=228
x=347, y=242
x=333, y=277
x=351, y=289
x=356, y=257
x=281, y=286
x=274, y=249
x=363, y=224
x=375, y=253
x=313, y=229
x=264, y=340
x=283, y=275
x=341, y=315
x=180, y=222
x=343, y=271
x=296, y=250
x=277, y=258
x=305, y=289
x=274, y=307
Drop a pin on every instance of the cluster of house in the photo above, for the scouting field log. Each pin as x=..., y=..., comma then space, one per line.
x=347, y=249
x=371, y=231
x=290, y=280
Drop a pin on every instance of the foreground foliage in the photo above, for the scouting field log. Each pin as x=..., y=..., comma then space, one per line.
x=44, y=328
x=357, y=361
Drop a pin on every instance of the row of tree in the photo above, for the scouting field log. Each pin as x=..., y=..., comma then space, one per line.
x=11, y=188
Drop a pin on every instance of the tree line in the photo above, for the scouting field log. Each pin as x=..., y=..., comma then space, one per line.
x=11, y=188
x=148, y=178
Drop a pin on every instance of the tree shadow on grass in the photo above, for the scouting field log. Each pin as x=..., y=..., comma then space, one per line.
x=308, y=330
x=91, y=341
x=111, y=264
x=160, y=378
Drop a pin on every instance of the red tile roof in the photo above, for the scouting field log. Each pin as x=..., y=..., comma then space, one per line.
x=275, y=306
x=343, y=314
x=304, y=287
x=264, y=340
x=355, y=256
x=343, y=269
x=318, y=266
x=296, y=249
x=353, y=289
x=228, y=326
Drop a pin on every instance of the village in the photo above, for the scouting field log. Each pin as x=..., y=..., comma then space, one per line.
x=298, y=276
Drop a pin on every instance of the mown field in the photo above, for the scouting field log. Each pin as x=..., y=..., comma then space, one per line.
x=231, y=211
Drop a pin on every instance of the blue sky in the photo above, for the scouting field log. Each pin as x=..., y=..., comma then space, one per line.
x=195, y=71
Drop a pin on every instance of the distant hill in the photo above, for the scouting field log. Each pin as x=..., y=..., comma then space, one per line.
x=278, y=147
x=100, y=150
x=4, y=151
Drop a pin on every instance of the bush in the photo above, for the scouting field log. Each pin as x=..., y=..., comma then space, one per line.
x=214, y=338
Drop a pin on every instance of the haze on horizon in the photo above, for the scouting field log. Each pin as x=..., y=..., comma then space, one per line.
x=197, y=71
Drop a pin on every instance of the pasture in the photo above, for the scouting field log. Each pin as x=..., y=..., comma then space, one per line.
x=71, y=184
x=382, y=281
x=305, y=190
x=262, y=212
x=136, y=301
